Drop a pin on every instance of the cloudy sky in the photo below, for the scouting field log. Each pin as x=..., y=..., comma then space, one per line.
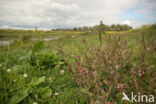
x=48, y=14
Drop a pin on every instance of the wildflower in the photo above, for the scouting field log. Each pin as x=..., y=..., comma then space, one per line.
x=83, y=70
x=8, y=70
x=100, y=84
x=117, y=67
x=76, y=62
x=108, y=103
x=133, y=72
x=56, y=94
x=14, y=80
x=62, y=72
x=94, y=61
x=112, y=72
x=148, y=49
x=25, y=75
x=141, y=72
x=120, y=86
x=35, y=103
x=0, y=65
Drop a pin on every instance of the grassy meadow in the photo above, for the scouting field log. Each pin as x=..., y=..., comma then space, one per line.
x=77, y=69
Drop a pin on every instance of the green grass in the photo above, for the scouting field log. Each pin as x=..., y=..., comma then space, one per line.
x=32, y=33
x=51, y=73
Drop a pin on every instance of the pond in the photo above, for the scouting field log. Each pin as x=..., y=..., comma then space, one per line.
x=6, y=41
x=49, y=38
x=9, y=41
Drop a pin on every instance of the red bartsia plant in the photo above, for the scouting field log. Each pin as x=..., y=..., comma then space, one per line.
x=109, y=69
x=97, y=69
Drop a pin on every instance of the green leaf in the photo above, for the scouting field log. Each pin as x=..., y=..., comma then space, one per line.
x=36, y=81
x=119, y=97
x=38, y=46
x=16, y=68
x=19, y=96
x=60, y=63
x=45, y=92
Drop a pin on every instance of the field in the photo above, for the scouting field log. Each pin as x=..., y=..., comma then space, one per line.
x=77, y=69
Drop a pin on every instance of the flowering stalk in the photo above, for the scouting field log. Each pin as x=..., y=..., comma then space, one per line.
x=10, y=75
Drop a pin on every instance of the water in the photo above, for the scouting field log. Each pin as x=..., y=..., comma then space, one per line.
x=52, y=38
x=9, y=41
x=48, y=38
x=6, y=41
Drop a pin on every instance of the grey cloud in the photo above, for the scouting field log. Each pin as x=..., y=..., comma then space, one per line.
x=68, y=13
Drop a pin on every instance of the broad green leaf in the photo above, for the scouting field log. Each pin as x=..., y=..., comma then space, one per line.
x=38, y=46
x=119, y=97
x=36, y=81
x=60, y=63
x=45, y=92
x=16, y=68
x=19, y=96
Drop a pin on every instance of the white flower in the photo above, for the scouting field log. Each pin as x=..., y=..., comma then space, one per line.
x=25, y=75
x=14, y=80
x=117, y=67
x=56, y=94
x=0, y=65
x=8, y=70
x=148, y=49
x=62, y=72
x=35, y=103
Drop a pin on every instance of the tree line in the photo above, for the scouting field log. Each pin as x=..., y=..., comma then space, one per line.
x=113, y=27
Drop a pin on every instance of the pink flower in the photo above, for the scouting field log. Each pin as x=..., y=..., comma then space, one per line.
x=133, y=72
x=100, y=84
x=112, y=72
x=94, y=61
x=76, y=62
x=141, y=72
x=83, y=70
x=108, y=103
x=120, y=86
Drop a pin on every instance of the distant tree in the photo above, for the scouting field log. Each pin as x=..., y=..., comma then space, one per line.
x=75, y=29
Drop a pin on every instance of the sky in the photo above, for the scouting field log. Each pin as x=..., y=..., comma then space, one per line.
x=52, y=14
